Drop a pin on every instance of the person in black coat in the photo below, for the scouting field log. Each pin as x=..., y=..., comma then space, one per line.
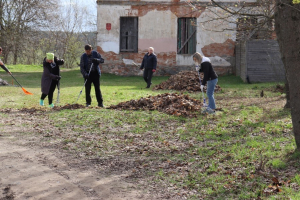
x=50, y=77
x=210, y=77
x=149, y=63
x=90, y=70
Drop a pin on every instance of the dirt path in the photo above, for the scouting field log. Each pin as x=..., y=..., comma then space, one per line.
x=29, y=172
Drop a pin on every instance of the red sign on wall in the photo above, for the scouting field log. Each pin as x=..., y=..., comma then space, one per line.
x=108, y=26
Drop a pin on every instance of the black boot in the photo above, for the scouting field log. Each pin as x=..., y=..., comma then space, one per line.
x=148, y=86
x=100, y=105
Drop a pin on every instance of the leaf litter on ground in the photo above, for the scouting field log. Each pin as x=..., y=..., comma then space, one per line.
x=170, y=103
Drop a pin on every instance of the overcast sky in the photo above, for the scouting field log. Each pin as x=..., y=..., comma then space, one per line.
x=90, y=5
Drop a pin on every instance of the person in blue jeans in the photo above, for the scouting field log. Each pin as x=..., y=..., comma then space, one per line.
x=210, y=77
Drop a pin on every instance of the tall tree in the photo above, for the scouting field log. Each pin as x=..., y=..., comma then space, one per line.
x=67, y=28
x=19, y=19
x=287, y=26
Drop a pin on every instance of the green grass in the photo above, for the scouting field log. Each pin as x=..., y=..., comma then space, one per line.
x=115, y=88
x=230, y=155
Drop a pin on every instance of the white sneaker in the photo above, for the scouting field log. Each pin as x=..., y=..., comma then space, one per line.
x=208, y=110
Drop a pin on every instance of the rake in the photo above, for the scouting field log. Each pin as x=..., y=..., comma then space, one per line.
x=84, y=83
x=25, y=91
x=204, y=101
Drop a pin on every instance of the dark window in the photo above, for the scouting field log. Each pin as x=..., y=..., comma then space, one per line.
x=186, y=38
x=129, y=34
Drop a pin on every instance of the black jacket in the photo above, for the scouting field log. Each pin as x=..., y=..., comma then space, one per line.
x=149, y=61
x=86, y=62
x=208, y=71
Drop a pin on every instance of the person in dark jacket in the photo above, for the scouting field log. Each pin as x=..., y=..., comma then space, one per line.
x=2, y=64
x=149, y=65
x=210, y=77
x=50, y=77
x=90, y=70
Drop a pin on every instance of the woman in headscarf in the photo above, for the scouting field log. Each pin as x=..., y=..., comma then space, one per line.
x=50, y=78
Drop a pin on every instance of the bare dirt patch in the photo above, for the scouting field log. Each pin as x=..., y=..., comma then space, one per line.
x=7, y=193
x=32, y=168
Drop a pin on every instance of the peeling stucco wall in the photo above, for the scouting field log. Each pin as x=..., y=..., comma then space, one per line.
x=157, y=27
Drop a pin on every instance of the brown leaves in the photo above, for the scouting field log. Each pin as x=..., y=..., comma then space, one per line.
x=275, y=187
x=183, y=81
x=170, y=103
x=69, y=106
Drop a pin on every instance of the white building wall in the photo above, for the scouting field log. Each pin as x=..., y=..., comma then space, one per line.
x=109, y=40
x=158, y=28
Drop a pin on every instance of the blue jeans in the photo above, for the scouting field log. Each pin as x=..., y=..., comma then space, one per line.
x=210, y=93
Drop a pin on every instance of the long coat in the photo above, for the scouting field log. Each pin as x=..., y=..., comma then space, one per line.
x=50, y=74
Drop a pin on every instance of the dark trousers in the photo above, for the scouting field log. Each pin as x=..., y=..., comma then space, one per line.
x=51, y=91
x=148, y=76
x=95, y=79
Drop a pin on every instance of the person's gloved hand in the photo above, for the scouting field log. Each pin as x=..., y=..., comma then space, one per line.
x=197, y=68
x=58, y=78
x=97, y=61
x=101, y=60
x=201, y=87
x=62, y=61
x=153, y=70
x=86, y=76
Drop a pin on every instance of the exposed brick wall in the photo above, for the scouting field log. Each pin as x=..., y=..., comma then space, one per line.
x=166, y=64
x=115, y=64
x=219, y=49
x=132, y=70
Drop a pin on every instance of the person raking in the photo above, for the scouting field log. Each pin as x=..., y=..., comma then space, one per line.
x=50, y=78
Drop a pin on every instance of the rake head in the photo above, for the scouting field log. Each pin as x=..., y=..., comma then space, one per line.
x=26, y=92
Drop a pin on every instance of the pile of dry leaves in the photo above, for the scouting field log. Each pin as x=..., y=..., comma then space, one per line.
x=183, y=81
x=69, y=106
x=170, y=103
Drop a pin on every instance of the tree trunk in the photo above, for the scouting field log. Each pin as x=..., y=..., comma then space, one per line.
x=287, y=26
x=287, y=92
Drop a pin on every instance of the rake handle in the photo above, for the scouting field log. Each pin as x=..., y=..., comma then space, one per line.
x=84, y=83
x=16, y=81
x=200, y=88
